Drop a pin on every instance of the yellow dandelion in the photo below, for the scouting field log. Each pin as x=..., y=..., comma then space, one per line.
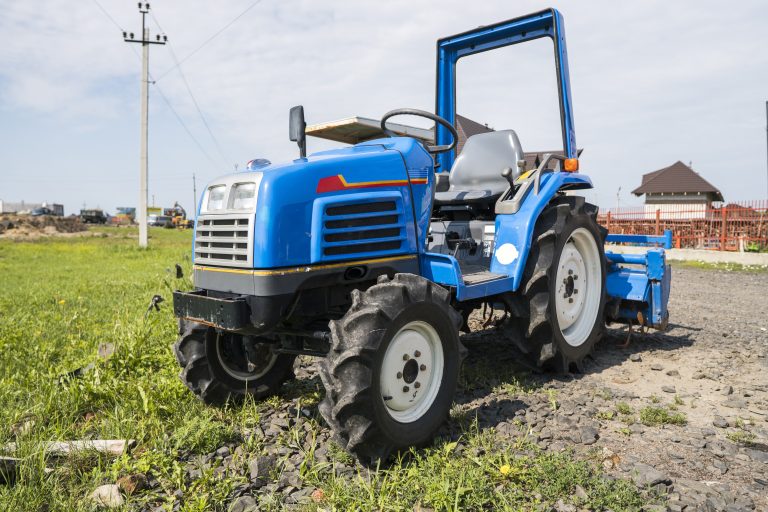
x=505, y=470
x=62, y=301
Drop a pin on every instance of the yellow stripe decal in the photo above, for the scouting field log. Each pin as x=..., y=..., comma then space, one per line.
x=297, y=270
x=365, y=184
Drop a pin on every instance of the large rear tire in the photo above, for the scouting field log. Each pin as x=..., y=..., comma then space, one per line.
x=563, y=287
x=391, y=373
x=215, y=366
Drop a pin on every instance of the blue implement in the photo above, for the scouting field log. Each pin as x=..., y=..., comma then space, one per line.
x=638, y=288
x=664, y=240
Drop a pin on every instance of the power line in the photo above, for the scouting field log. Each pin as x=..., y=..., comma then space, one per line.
x=214, y=36
x=194, y=100
x=107, y=15
x=178, y=117
x=181, y=121
x=162, y=96
x=200, y=112
x=55, y=179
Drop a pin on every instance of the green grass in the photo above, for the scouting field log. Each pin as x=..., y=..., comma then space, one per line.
x=61, y=298
x=604, y=415
x=654, y=416
x=742, y=437
x=727, y=266
x=489, y=474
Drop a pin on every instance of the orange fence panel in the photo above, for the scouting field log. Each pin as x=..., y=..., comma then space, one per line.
x=739, y=226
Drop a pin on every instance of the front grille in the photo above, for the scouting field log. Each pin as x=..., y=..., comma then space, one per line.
x=367, y=229
x=224, y=240
x=381, y=206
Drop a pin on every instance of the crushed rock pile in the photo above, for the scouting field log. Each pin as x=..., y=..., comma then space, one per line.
x=28, y=227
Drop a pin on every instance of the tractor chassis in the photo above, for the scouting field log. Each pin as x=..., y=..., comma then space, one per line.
x=242, y=314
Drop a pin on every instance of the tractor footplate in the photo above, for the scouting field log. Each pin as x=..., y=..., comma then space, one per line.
x=229, y=313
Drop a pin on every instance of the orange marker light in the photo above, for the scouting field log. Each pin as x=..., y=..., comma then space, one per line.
x=571, y=165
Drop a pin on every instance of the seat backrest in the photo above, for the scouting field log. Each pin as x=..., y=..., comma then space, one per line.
x=482, y=159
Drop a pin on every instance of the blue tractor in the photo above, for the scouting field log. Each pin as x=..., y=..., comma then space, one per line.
x=373, y=256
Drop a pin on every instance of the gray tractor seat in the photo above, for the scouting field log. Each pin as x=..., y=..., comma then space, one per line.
x=476, y=174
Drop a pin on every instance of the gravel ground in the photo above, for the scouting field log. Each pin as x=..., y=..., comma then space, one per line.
x=714, y=358
x=710, y=367
x=684, y=414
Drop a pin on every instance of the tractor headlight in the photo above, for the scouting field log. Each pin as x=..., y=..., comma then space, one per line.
x=215, y=199
x=243, y=196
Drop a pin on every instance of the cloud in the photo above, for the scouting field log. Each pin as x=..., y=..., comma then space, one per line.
x=653, y=82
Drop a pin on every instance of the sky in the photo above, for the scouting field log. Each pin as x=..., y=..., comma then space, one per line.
x=653, y=82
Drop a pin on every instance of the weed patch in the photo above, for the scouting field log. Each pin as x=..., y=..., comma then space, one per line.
x=654, y=416
x=488, y=473
x=742, y=437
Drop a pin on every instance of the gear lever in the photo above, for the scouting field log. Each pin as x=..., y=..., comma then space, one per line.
x=507, y=174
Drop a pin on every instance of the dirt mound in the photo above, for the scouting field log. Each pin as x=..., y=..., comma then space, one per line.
x=28, y=227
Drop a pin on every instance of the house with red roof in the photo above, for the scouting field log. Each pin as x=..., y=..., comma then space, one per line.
x=677, y=192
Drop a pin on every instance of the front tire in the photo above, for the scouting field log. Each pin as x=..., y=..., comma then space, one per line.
x=392, y=370
x=218, y=367
x=563, y=288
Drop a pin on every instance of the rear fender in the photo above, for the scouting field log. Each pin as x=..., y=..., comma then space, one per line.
x=514, y=231
x=513, y=237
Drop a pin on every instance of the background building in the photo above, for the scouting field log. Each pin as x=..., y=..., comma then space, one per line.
x=677, y=191
x=25, y=207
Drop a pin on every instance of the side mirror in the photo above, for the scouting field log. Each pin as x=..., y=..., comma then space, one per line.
x=297, y=129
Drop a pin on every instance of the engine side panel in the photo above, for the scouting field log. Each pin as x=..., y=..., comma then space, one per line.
x=419, y=166
x=295, y=198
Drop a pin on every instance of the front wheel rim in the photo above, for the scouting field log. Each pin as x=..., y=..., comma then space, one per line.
x=578, y=287
x=412, y=371
x=235, y=362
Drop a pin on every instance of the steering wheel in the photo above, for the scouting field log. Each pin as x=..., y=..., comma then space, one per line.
x=429, y=115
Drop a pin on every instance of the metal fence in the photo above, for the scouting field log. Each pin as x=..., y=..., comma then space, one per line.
x=741, y=226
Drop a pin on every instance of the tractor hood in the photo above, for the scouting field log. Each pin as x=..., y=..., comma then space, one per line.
x=338, y=205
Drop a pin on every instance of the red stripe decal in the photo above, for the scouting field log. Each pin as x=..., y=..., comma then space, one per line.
x=329, y=184
x=336, y=183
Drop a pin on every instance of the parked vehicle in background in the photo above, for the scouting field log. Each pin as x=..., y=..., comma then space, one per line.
x=179, y=217
x=94, y=216
x=48, y=209
x=160, y=220
x=124, y=216
x=37, y=212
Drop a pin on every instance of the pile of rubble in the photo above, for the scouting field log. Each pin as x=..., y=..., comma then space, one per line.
x=28, y=227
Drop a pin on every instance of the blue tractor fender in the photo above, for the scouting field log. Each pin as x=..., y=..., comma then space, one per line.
x=514, y=233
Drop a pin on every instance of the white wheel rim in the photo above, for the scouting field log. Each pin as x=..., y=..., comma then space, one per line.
x=578, y=287
x=259, y=372
x=412, y=371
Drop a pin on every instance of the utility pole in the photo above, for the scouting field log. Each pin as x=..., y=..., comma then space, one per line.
x=194, y=196
x=766, y=143
x=145, y=42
